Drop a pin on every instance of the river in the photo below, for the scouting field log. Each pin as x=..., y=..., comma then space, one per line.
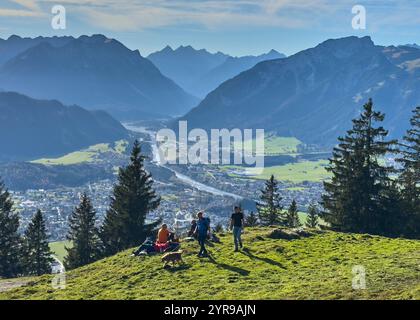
x=188, y=180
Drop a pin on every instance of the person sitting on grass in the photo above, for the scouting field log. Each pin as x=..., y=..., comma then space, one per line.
x=145, y=248
x=163, y=234
x=162, y=242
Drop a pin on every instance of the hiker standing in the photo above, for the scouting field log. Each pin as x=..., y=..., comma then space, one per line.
x=202, y=230
x=236, y=225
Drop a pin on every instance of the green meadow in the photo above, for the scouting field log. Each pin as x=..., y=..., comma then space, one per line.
x=317, y=265
x=86, y=155
x=313, y=171
x=58, y=249
x=274, y=145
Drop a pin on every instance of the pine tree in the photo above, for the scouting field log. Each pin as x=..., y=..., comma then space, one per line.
x=37, y=254
x=313, y=214
x=251, y=220
x=356, y=199
x=133, y=198
x=83, y=235
x=292, y=216
x=10, y=241
x=409, y=178
x=270, y=210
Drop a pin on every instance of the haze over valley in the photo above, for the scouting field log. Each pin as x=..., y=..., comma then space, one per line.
x=72, y=107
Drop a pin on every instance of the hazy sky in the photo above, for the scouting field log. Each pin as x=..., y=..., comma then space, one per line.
x=237, y=27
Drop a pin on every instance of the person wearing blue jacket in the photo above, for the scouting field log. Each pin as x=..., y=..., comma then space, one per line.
x=202, y=231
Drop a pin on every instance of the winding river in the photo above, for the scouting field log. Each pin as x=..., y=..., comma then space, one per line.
x=157, y=160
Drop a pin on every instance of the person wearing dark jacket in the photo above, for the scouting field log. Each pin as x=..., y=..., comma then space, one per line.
x=202, y=231
x=236, y=225
x=146, y=247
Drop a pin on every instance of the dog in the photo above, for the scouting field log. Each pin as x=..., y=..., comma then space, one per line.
x=174, y=257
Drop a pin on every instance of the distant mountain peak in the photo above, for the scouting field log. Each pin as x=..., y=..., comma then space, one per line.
x=348, y=42
x=14, y=37
x=16, y=45
x=101, y=72
x=314, y=94
x=52, y=128
x=272, y=54
x=342, y=48
x=168, y=48
x=413, y=45
x=188, y=47
x=199, y=71
x=95, y=38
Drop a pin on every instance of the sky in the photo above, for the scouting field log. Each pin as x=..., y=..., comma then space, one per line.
x=236, y=27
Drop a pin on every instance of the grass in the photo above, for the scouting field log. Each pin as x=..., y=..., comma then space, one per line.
x=121, y=146
x=315, y=267
x=274, y=145
x=58, y=248
x=170, y=197
x=68, y=159
x=313, y=171
x=86, y=155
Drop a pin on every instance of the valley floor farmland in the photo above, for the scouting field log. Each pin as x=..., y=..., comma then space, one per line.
x=87, y=155
x=315, y=267
x=313, y=171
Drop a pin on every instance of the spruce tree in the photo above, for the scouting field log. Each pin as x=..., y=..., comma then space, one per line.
x=37, y=254
x=133, y=198
x=409, y=178
x=313, y=214
x=83, y=235
x=292, y=216
x=270, y=210
x=10, y=241
x=251, y=220
x=356, y=198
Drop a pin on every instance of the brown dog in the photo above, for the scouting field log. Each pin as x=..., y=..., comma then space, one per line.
x=174, y=257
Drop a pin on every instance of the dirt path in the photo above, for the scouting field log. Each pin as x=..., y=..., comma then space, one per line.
x=6, y=285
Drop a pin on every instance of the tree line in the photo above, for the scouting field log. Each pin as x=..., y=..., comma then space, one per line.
x=270, y=211
x=365, y=194
x=124, y=226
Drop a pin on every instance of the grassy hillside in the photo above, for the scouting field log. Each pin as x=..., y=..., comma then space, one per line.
x=87, y=155
x=314, y=267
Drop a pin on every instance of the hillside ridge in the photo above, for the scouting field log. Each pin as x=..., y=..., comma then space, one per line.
x=315, y=265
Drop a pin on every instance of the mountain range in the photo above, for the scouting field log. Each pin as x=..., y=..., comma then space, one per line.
x=14, y=45
x=199, y=71
x=314, y=94
x=38, y=128
x=94, y=72
x=413, y=45
x=311, y=95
